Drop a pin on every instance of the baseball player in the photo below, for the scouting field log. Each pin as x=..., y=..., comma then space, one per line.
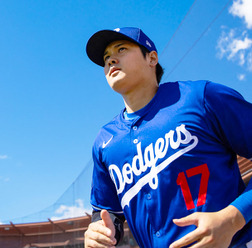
x=167, y=163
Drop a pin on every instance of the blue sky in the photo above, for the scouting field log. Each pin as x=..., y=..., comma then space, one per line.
x=53, y=100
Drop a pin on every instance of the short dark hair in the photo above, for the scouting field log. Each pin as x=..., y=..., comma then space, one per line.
x=159, y=68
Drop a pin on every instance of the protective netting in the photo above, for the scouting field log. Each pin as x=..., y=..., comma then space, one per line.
x=74, y=202
x=61, y=225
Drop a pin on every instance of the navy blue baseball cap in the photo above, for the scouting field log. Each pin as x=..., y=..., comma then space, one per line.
x=98, y=42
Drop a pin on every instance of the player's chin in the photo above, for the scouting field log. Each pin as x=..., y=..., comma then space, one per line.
x=117, y=83
x=119, y=87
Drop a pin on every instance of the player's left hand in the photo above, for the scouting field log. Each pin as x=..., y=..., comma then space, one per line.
x=214, y=230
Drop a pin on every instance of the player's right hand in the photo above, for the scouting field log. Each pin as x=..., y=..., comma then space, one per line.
x=101, y=234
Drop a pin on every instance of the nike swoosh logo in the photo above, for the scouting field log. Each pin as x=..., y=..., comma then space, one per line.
x=105, y=144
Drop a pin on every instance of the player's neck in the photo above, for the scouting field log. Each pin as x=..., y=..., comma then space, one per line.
x=139, y=98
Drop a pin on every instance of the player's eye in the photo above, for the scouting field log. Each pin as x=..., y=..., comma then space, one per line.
x=121, y=49
x=105, y=58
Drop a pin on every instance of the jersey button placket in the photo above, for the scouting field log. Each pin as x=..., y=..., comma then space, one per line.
x=134, y=128
x=148, y=196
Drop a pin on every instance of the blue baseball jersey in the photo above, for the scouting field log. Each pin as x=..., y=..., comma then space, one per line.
x=178, y=156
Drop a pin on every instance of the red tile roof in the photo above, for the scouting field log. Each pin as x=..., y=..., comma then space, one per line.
x=245, y=166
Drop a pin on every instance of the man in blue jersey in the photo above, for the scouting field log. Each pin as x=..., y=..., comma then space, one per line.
x=167, y=163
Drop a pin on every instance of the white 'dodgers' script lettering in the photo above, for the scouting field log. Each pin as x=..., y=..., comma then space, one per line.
x=148, y=159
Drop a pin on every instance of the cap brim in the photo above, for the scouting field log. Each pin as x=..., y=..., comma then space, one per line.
x=97, y=44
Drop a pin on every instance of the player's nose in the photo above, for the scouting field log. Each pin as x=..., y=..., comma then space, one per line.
x=112, y=61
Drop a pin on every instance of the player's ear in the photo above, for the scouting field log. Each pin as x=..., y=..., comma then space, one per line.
x=153, y=58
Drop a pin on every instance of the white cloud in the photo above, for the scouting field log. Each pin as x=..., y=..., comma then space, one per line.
x=241, y=77
x=3, y=157
x=65, y=212
x=249, y=61
x=235, y=44
x=235, y=47
x=243, y=9
x=239, y=46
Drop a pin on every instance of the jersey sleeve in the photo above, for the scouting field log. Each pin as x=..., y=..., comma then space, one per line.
x=231, y=116
x=244, y=203
x=103, y=191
